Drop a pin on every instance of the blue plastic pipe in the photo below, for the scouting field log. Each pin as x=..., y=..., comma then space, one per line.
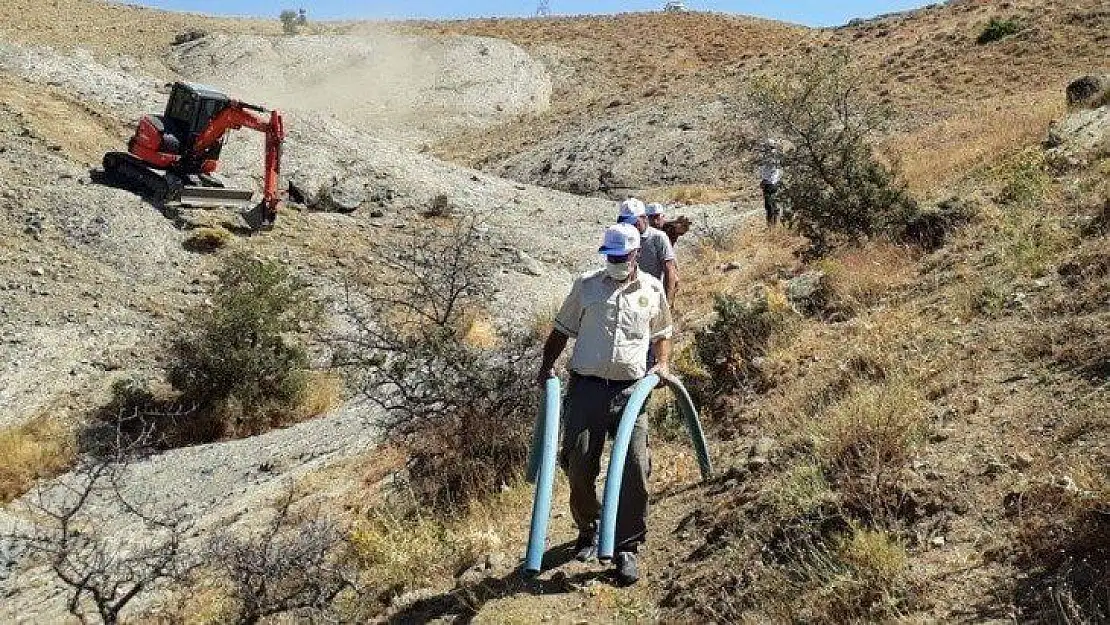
x=693, y=425
x=615, y=475
x=535, y=454
x=544, y=449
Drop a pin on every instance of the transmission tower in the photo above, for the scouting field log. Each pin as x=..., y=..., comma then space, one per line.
x=544, y=8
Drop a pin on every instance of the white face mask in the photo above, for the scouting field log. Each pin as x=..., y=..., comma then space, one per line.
x=618, y=271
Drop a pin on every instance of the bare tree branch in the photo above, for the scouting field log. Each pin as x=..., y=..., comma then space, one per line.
x=73, y=530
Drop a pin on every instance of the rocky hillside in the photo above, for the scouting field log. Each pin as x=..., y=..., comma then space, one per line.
x=648, y=100
x=93, y=277
x=992, y=346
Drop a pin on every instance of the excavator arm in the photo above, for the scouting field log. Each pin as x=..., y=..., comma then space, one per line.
x=242, y=115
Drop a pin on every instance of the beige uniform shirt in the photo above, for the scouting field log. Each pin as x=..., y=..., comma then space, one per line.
x=614, y=324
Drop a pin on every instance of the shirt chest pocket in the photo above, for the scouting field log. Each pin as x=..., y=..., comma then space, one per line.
x=635, y=318
x=600, y=314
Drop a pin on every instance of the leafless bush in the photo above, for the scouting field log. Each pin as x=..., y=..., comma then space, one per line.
x=141, y=419
x=292, y=567
x=460, y=410
x=73, y=529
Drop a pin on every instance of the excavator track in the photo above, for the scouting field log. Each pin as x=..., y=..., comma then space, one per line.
x=130, y=172
x=166, y=187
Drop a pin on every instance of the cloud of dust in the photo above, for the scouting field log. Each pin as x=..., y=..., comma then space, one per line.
x=405, y=87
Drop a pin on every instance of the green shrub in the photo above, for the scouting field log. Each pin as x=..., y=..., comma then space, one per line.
x=931, y=229
x=205, y=240
x=835, y=190
x=290, y=24
x=236, y=360
x=998, y=28
x=730, y=349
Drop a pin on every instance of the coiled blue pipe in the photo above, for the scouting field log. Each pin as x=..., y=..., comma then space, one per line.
x=541, y=470
x=615, y=475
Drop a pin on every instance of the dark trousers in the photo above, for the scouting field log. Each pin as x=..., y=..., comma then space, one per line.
x=591, y=413
x=770, y=190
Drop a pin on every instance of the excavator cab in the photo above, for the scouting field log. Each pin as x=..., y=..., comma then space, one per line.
x=190, y=109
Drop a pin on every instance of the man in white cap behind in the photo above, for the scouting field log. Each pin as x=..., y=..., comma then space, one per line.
x=657, y=255
x=615, y=314
x=656, y=214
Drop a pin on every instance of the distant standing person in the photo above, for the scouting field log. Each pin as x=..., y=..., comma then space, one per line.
x=656, y=255
x=770, y=179
x=614, y=314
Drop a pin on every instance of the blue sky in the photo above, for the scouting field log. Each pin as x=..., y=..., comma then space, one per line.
x=811, y=12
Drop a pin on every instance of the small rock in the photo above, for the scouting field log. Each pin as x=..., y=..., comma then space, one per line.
x=995, y=467
x=495, y=561
x=729, y=266
x=1067, y=485
x=937, y=541
x=38, y=272
x=974, y=405
x=808, y=292
x=1023, y=460
x=471, y=577
x=528, y=265
x=941, y=435
x=760, y=452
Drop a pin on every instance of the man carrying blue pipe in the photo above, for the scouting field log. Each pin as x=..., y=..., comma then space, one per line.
x=615, y=314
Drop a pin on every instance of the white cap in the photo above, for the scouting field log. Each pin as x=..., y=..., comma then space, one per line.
x=653, y=209
x=620, y=239
x=630, y=209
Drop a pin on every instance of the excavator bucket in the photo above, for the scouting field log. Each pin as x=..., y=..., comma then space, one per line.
x=211, y=197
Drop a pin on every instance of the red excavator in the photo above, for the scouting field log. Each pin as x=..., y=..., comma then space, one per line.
x=173, y=157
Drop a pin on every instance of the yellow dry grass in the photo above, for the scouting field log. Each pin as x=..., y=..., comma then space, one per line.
x=934, y=155
x=861, y=278
x=324, y=393
x=208, y=239
x=40, y=448
x=402, y=552
x=874, y=427
x=757, y=254
x=208, y=603
x=480, y=332
x=821, y=366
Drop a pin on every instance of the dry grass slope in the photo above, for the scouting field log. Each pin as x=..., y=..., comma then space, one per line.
x=958, y=103
x=940, y=437
x=41, y=448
